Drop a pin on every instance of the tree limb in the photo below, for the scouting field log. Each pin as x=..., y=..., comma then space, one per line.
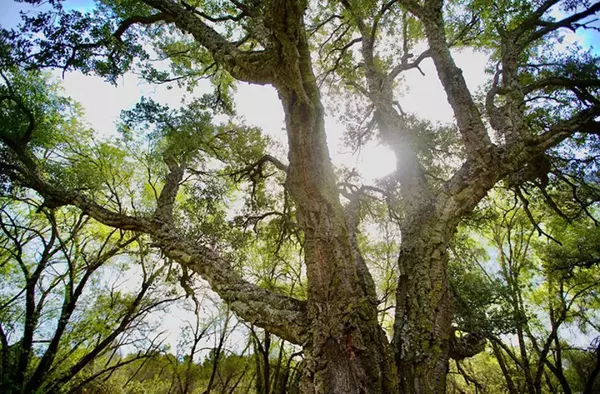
x=141, y=20
x=548, y=27
x=250, y=66
x=561, y=82
x=281, y=315
x=468, y=117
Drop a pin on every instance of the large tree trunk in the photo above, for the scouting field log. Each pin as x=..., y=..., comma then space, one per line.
x=423, y=336
x=346, y=350
x=422, y=327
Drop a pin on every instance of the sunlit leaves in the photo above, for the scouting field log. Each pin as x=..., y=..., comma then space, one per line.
x=33, y=104
x=529, y=281
x=64, y=298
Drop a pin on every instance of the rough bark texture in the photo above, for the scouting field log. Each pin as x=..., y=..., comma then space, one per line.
x=423, y=313
x=346, y=350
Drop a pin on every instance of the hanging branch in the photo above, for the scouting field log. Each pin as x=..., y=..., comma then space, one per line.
x=535, y=224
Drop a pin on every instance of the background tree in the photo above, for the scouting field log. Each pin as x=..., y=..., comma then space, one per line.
x=66, y=313
x=536, y=301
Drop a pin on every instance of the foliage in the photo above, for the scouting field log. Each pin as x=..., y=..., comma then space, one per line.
x=64, y=301
x=536, y=298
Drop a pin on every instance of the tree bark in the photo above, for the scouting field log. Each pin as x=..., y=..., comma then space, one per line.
x=503, y=367
x=346, y=350
x=423, y=312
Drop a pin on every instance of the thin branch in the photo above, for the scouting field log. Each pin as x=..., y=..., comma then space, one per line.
x=535, y=224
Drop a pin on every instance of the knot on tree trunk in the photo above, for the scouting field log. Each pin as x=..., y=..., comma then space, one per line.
x=466, y=346
x=536, y=169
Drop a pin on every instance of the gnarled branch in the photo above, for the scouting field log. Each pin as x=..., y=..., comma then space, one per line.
x=279, y=314
x=250, y=66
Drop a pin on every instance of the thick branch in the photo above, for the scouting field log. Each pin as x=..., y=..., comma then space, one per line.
x=254, y=170
x=531, y=21
x=281, y=315
x=404, y=66
x=561, y=82
x=467, y=115
x=254, y=67
x=215, y=19
x=470, y=184
x=166, y=200
x=548, y=27
x=391, y=123
x=141, y=20
x=584, y=121
x=469, y=345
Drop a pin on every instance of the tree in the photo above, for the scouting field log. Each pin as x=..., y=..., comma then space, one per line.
x=536, y=301
x=539, y=107
x=58, y=316
x=205, y=363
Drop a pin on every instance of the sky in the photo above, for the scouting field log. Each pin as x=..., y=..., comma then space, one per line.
x=260, y=106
